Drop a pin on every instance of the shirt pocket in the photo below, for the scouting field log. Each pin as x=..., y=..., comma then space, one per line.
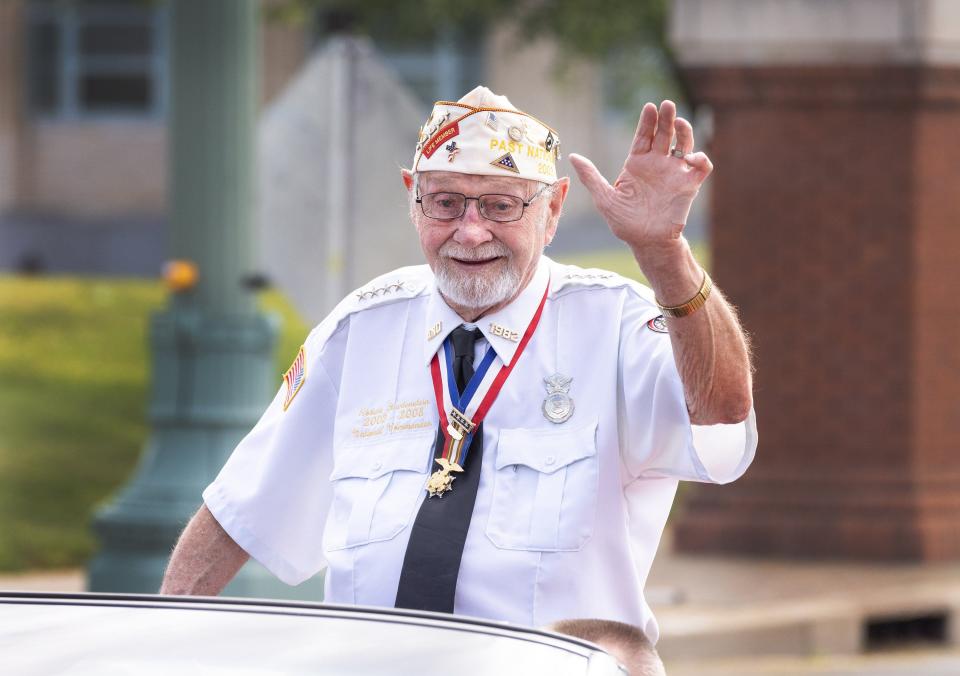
x=375, y=490
x=545, y=489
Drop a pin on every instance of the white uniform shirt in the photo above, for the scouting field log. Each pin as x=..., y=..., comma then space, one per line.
x=568, y=516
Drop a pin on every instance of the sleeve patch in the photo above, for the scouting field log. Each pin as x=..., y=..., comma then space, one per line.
x=294, y=378
x=658, y=324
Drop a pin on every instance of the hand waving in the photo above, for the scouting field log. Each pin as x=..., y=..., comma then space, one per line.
x=649, y=202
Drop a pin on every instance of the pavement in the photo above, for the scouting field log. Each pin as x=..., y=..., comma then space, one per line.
x=925, y=662
x=726, y=616
x=721, y=616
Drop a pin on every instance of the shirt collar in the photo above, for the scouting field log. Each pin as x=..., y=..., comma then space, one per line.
x=503, y=329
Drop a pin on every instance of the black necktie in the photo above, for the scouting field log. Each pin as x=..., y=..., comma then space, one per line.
x=428, y=579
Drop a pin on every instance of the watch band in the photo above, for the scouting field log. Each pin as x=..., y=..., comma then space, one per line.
x=692, y=305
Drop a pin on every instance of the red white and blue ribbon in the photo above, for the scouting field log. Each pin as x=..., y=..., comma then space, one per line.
x=479, y=394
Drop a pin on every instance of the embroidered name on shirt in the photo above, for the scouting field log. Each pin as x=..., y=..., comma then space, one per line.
x=398, y=416
x=504, y=332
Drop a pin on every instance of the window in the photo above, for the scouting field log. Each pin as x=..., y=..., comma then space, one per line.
x=92, y=58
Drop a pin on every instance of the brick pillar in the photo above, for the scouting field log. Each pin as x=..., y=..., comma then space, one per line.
x=836, y=230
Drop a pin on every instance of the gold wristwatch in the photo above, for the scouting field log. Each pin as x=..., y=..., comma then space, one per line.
x=691, y=305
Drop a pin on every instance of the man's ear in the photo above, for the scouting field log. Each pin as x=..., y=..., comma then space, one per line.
x=407, y=176
x=559, y=194
x=560, y=189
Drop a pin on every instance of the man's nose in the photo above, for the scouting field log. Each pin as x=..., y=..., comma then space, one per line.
x=472, y=228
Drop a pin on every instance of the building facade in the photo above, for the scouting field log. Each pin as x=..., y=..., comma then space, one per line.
x=83, y=137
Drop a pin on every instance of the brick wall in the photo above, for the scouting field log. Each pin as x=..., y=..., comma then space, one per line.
x=834, y=210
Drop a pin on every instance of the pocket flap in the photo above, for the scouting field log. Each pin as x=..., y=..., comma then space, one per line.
x=546, y=450
x=411, y=454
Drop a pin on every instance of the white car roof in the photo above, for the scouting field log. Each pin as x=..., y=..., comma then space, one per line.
x=106, y=634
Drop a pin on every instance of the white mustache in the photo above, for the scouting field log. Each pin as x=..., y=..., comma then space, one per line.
x=480, y=253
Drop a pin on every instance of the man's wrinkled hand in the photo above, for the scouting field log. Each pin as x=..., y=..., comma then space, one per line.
x=648, y=204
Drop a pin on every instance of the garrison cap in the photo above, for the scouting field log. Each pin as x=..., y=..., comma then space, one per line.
x=484, y=134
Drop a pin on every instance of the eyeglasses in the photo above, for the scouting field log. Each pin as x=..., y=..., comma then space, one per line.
x=446, y=206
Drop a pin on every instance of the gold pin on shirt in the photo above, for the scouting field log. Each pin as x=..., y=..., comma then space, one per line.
x=504, y=332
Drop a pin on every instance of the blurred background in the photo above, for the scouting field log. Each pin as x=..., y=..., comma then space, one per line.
x=187, y=187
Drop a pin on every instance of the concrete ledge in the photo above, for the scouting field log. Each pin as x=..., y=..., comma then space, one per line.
x=750, y=608
x=770, y=32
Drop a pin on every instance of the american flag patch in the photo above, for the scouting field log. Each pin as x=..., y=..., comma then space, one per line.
x=294, y=377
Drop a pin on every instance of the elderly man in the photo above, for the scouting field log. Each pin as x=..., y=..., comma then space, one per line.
x=495, y=434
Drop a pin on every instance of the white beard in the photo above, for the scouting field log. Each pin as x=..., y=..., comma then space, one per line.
x=478, y=291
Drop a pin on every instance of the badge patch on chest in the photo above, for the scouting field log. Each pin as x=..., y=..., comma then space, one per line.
x=558, y=406
x=294, y=378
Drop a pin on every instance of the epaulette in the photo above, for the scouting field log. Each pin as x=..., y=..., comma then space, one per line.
x=572, y=277
x=591, y=276
x=372, y=291
x=397, y=285
x=401, y=284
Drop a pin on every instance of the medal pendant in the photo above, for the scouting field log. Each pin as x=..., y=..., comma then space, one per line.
x=441, y=481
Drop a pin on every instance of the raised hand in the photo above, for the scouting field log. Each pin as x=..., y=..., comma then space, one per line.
x=648, y=204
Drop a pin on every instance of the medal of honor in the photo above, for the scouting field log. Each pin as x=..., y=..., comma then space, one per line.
x=459, y=430
x=441, y=481
x=558, y=406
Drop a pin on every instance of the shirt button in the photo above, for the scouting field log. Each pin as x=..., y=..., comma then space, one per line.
x=550, y=460
x=377, y=466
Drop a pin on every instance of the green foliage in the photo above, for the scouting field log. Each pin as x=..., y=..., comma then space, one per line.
x=590, y=29
x=73, y=393
x=627, y=36
x=593, y=29
x=72, y=376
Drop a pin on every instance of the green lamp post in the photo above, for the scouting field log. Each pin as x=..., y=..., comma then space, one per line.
x=212, y=366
